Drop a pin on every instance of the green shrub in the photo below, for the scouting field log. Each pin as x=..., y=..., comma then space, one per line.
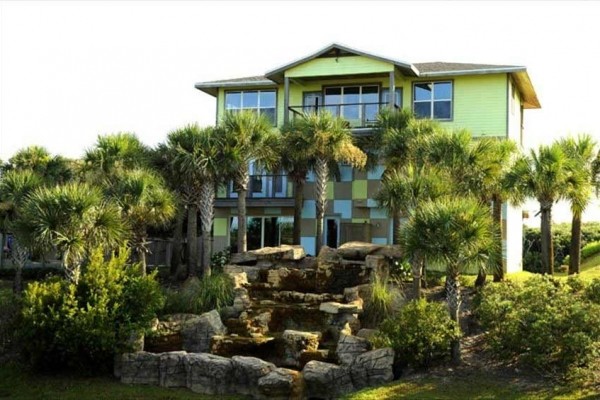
x=380, y=305
x=83, y=326
x=592, y=291
x=547, y=324
x=220, y=259
x=9, y=319
x=420, y=334
x=200, y=295
x=561, y=235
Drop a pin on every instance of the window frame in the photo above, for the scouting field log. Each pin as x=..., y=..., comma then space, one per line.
x=258, y=91
x=400, y=91
x=432, y=100
x=360, y=85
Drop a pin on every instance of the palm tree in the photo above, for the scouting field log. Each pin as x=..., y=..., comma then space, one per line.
x=402, y=191
x=248, y=137
x=33, y=158
x=545, y=175
x=15, y=186
x=582, y=152
x=200, y=158
x=144, y=202
x=329, y=140
x=72, y=218
x=114, y=152
x=455, y=232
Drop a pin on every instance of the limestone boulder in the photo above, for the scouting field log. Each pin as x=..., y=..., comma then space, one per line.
x=368, y=334
x=252, y=272
x=332, y=307
x=357, y=250
x=349, y=347
x=172, y=369
x=373, y=368
x=241, y=299
x=246, y=373
x=140, y=368
x=280, y=384
x=295, y=343
x=326, y=381
x=209, y=374
x=197, y=332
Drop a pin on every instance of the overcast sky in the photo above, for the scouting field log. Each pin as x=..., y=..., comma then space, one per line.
x=71, y=71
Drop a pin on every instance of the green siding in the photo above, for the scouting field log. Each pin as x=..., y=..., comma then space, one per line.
x=339, y=66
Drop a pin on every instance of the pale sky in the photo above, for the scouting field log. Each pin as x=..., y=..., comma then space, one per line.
x=71, y=71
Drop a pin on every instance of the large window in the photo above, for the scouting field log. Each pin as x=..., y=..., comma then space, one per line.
x=385, y=96
x=357, y=104
x=262, y=101
x=263, y=232
x=433, y=100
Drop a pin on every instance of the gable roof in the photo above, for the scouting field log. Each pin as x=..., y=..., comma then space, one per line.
x=421, y=70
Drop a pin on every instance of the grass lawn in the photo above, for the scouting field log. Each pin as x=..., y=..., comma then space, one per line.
x=473, y=387
x=590, y=269
x=16, y=384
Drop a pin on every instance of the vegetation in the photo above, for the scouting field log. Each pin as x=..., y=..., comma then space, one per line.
x=197, y=296
x=82, y=325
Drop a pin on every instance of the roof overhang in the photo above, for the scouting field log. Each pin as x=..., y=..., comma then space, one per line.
x=523, y=82
x=277, y=74
x=212, y=88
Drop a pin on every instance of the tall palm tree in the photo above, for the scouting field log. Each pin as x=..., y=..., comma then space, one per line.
x=248, y=137
x=582, y=151
x=72, y=218
x=114, y=152
x=402, y=191
x=454, y=232
x=545, y=175
x=15, y=186
x=144, y=202
x=329, y=140
x=200, y=158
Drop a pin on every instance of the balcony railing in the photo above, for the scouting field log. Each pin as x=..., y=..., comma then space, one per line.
x=262, y=187
x=358, y=115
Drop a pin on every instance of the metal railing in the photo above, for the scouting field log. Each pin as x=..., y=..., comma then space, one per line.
x=358, y=115
x=263, y=187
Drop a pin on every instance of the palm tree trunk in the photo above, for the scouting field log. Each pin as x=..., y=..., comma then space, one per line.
x=321, y=176
x=207, y=201
x=19, y=256
x=396, y=231
x=417, y=265
x=177, y=239
x=192, y=239
x=546, y=231
x=575, y=252
x=298, y=204
x=142, y=257
x=497, y=218
x=453, y=299
x=242, y=191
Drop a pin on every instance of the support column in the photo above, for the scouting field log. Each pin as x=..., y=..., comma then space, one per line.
x=286, y=100
x=392, y=95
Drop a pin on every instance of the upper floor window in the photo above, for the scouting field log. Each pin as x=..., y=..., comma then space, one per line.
x=262, y=101
x=433, y=100
x=385, y=96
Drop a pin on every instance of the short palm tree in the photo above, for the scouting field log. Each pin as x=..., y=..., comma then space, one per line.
x=454, y=232
x=248, y=137
x=199, y=157
x=328, y=140
x=33, y=158
x=72, y=218
x=114, y=152
x=545, y=175
x=144, y=202
x=582, y=151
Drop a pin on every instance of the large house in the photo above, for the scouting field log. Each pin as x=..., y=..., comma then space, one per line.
x=489, y=100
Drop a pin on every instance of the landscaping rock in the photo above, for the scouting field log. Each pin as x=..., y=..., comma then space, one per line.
x=373, y=368
x=332, y=307
x=172, y=369
x=198, y=332
x=246, y=373
x=349, y=347
x=357, y=250
x=228, y=346
x=280, y=383
x=367, y=333
x=326, y=381
x=247, y=258
x=241, y=300
x=295, y=343
x=140, y=368
x=209, y=374
x=319, y=355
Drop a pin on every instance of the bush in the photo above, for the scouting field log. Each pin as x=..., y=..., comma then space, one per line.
x=200, y=295
x=547, y=324
x=220, y=259
x=83, y=326
x=420, y=334
x=9, y=319
x=379, y=306
x=561, y=235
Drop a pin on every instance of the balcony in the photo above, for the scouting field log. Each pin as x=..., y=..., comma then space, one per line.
x=263, y=190
x=358, y=115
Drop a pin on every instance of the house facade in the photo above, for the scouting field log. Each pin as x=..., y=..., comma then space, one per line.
x=488, y=100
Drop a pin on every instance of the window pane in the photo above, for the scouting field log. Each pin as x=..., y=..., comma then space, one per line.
x=233, y=231
x=254, y=233
x=333, y=95
x=370, y=94
x=423, y=110
x=267, y=99
x=269, y=113
x=423, y=91
x=370, y=113
x=351, y=95
x=441, y=109
x=250, y=99
x=286, y=227
x=351, y=112
x=233, y=100
x=442, y=91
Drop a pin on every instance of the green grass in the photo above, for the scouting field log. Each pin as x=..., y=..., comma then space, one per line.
x=474, y=387
x=16, y=384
